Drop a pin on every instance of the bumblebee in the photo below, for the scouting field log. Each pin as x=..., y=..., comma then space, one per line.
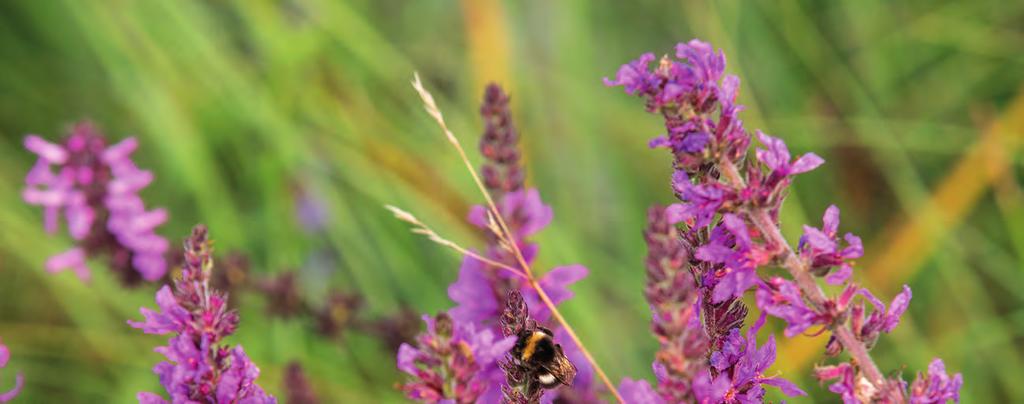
x=545, y=363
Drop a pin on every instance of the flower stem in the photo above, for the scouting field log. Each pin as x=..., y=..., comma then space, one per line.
x=799, y=271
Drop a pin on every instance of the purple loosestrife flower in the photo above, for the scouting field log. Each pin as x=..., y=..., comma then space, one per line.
x=95, y=187
x=19, y=379
x=880, y=320
x=730, y=205
x=781, y=298
x=501, y=172
x=481, y=289
x=452, y=362
x=741, y=256
x=737, y=371
x=672, y=293
x=936, y=386
x=197, y=368
x=820, y=247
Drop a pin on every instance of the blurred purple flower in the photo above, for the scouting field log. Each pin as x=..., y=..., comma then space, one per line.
x=523, y=211
x=311, y=210
x=556, y=284
x=475, y=299
x=936, y=386
x=19, y=379
x=501, y=172
x=95, y=181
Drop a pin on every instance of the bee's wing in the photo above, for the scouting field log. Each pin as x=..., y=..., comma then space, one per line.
x=562, y=368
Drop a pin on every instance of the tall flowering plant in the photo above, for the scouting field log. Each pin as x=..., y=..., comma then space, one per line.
x=512, y=213
x=728, y=215
x=199, y=369
x=95, y=187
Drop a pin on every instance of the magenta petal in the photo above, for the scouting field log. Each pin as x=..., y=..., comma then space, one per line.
x=806, y=163
x=660, y=141
x=53, y=153
x=19, y=383
x=776, y=155
x=40, y=174
x=787, y=387
x=477, y=216
x=896, y=308
x=840, y=275
x=73, y=259
x=830, y=221
x=120, y=151
x=5, y=355
x=638, y=392
x=715, y=253
x=146, y=397
x=172, y=317
x=818, y=240
x=472, y=293
x=539, y=215
x=677, y=213
x=556, y=282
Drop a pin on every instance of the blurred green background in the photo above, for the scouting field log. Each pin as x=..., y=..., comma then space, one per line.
x=241, y=106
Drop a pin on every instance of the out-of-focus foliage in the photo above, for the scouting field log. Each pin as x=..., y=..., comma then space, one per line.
x=242, y=108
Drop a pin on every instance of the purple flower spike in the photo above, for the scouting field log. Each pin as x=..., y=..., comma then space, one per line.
x=728, y=219
x=481, y=290
x=936, y=386
x=452, y=362
x=19, y=379
x=85, y=179
x=197, y=369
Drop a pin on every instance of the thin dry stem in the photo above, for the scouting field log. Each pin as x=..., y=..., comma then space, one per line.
x=422, y=229
x=432, y=109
